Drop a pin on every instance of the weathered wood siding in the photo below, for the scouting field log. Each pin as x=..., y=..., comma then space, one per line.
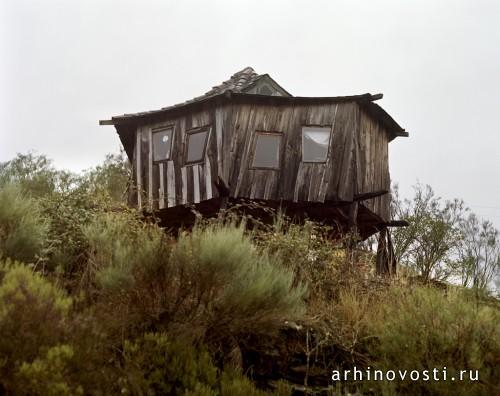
x=172, y=183
x=294, y=180
x=373, y=164
x=357, y=160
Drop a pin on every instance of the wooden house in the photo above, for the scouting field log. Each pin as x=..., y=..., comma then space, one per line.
x=325, y=158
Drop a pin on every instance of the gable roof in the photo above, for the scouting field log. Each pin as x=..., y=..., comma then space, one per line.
x=240, y=82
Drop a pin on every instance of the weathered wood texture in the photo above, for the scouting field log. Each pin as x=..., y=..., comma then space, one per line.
x=171, y=183
x=357, y=161
x=294, y=180
x=373, y=165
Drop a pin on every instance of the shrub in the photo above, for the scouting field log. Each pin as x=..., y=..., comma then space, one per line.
x=154, y=364
x=309, y=252
x=234, y=385
x=120, y=244
x=350, y=320
x=69, y=212
x=23, y=232
x=66, y=200
x=49, y=375
x=35, y=174
x=421, y=328
x=213, y=282
x=110, y=179
x=234, y=286
x=33, y=316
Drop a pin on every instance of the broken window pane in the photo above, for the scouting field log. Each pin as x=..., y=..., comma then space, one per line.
x=196, y=146
x=162, y=144
x=315, y=142
x=267, y=151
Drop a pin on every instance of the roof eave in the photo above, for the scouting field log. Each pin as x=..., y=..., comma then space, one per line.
x=365, y=100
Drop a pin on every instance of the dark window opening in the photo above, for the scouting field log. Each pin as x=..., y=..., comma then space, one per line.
x=162, y=144
x=196, y=143
x=315, y=143
x=267, y=150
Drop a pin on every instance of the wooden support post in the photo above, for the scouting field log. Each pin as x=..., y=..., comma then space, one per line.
x=352, y=229
x=382, y=266
x=391, y=255
x=223, y=189
x=353, y=218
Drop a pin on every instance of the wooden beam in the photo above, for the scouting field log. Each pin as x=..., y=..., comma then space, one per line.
x=106, y=122
x=376, y=97
x=369, y=195
x=397, y=223
x=401, y=133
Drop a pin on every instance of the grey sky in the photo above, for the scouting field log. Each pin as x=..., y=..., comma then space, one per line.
x=66, y=64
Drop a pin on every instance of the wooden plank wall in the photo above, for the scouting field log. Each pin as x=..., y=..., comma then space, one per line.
x=357, y=160
x=294, y=180
x=172, y=183
x=373, y=164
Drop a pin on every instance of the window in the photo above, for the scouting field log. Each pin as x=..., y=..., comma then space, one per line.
x=267, y=150
x=265, y=90
x=196, y=144
x=315, y=142
x=162, y=143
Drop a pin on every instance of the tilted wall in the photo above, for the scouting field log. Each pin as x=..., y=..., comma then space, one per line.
x=357, y=160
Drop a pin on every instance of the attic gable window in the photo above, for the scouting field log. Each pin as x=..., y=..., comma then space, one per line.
x=162, y=143
x=267, y=150
x=315, y=143
x=196, y=145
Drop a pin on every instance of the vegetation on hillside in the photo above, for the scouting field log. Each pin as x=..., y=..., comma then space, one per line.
x=95, y=299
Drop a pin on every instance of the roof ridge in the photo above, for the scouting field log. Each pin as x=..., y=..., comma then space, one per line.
x=246, y=70
x=237, y=82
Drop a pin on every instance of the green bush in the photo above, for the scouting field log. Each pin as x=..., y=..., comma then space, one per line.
x=110, y=179
x=422, y=328
x=23, y=231
x=49, y=375
x=235, y=287
x=154, y=364
x=232, y=385
x=309, y=252
x=118, y=243
x=33, y=318
x=212, y=283
x=69, y=212
x=65, y=200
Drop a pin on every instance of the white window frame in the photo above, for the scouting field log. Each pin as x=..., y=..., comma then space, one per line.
x=310, y=127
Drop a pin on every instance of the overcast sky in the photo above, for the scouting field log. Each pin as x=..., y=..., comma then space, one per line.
x=66, y=64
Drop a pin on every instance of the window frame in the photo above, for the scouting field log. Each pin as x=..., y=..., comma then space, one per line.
x=330, y=139
x=158, y=130
x=194, y=131
x=254, y=148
